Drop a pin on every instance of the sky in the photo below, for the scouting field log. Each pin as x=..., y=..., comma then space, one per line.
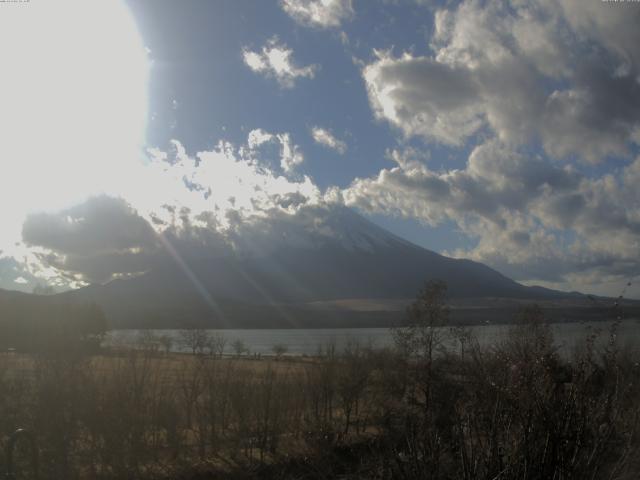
x=507, y=132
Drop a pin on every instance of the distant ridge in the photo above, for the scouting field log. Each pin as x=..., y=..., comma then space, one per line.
x=279, y=283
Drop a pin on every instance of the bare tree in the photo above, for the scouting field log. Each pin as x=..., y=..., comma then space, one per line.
x=279, y=350
x=147, y=340
x=195, y=339
x=239, y=347
x=217, y=342
x=352, y=378
x=419, y=337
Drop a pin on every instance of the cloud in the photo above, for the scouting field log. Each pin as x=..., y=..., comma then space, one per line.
x=290, y=154
x=274, y=61
x=319, y=13
x=12, y=275
x=242, y=178
x=197, y=209
x=326, y=138
x=613, y=26
x=70, y=127
x=527, y=87
x=532, y=219
x=97, y=239
x=100, y=224
x=503, y=78
x=543, y=71
x=423, y=97
x=258, y=137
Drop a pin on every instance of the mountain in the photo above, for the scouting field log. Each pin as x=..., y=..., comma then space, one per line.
x=297, y=270
x=31, y=322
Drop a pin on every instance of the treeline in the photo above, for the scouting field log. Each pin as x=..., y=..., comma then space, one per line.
x=422, y=410
x=33, y=323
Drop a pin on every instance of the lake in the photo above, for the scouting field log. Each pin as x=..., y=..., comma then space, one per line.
x=307, y=341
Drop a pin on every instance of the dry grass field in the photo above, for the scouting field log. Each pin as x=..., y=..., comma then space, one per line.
x=516, y=411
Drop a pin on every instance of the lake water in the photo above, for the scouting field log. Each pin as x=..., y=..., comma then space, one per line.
x=307, y=341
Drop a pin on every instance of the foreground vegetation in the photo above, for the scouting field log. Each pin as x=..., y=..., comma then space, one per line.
x=516, y=411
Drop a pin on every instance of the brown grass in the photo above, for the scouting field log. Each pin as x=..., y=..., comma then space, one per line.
x=516, y=411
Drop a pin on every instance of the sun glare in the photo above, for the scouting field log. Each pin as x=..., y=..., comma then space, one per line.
x=73, y=104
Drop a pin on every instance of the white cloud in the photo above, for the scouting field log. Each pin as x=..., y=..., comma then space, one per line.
x=423, y=97
x=258, y=137
x=524, y=71
x=506, y=76
x=274, y=60
x=532, y=220
x=290, y=154
x=227, y=178
x=319, y=13
x=324, y=137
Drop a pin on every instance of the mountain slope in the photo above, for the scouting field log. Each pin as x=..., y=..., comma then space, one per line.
x=332, y=254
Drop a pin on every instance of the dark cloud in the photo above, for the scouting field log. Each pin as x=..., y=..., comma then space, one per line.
x=565, y=209
x=96, y=240
x=101, y=224
x=596, y=117
x=289, y=200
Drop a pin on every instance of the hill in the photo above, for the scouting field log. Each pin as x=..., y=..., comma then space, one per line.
x=309, y=274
